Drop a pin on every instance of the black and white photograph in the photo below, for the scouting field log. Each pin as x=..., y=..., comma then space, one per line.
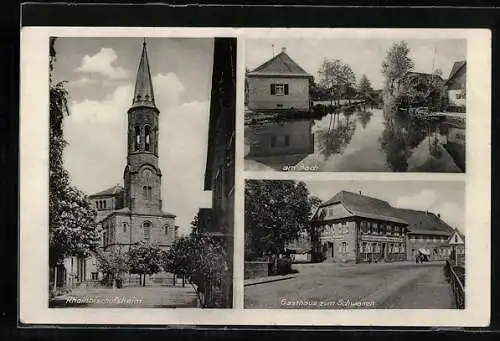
x=354, y=244
x=141, y=172
x=355, y=105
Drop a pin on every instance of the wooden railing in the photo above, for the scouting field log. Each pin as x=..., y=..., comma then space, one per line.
x=457, y=284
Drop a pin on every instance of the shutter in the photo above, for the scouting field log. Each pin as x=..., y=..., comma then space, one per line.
x=286, y=89
x=273, y=89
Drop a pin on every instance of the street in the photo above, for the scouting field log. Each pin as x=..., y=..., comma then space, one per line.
x=354, y=286
x=132, y=297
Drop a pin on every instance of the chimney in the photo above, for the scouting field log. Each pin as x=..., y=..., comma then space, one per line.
x=283, y=49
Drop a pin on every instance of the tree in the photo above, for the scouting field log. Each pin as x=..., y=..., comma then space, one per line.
x=336, y=77
x=396, y=64
x=112, y=262
x=203, y=261
x=72, y=227
x=275, y=214
x=145, y=259
x=364, y=87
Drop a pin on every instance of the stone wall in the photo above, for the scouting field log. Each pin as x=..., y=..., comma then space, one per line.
x=256, y=269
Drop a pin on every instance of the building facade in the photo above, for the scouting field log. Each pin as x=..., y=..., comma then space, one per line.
x=456, y=86
x=133, y=213
x=220, y=165
x=278, y=84
x=356, y=228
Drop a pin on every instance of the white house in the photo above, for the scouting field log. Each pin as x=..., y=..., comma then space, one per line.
x=278, y=84
x=456, y=85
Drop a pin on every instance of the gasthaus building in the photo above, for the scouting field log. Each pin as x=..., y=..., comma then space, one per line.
x=352, y=227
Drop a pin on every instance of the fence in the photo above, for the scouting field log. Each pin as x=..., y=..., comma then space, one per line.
x=456, y=278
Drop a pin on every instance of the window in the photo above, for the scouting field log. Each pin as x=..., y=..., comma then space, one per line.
x=146, y=192
x=95, y=276
x=137, y=138
x=280, y=141
x=279, y=89
x=344, y=247
x=147, y=138
x=375, y=247
x=97, y=204
x=147, y=230
x=166, y=229
x=104, y=203
x=124, y=227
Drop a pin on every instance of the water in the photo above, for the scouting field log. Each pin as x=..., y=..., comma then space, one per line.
x=359, y=140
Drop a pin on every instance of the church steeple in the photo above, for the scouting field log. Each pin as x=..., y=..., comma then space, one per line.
x=143, y=93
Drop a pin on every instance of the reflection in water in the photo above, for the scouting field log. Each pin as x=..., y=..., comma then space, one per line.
x=399, y=137
x=357, y=139
x=279, y=144
x=338, y=134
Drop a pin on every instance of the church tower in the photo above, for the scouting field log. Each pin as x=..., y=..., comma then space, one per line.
x=142, y=175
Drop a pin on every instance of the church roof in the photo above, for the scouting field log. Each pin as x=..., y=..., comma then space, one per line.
x=143, y=92
x=279, y=65
x=112, y=191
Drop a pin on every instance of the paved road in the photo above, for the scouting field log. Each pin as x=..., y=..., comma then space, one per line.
x=366, y=286
x=133, y=297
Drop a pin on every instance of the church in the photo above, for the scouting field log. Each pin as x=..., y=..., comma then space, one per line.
x=132, y=213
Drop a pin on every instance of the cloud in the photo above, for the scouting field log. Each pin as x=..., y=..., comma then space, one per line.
x=428, y=200
x=102, y=63
x=96, y=154
x=84, y=81
x=421, y=201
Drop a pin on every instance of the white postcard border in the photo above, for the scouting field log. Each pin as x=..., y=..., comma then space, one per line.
x=33, y=228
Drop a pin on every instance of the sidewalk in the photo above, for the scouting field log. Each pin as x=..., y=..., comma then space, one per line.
x=268, y=279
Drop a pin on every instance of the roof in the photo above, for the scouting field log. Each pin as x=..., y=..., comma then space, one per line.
x=143, y=92
x=364, y=206
x=101, y=215
x=112, y=191
x=456, y=67
x=279, y=65
x=423, y=222
x=372, y=208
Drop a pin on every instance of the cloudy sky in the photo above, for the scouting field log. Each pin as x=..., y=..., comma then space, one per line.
x=364, y=55
x=444, y=197
x=101, y=76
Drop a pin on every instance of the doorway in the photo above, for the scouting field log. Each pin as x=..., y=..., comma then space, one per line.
x=330, y=250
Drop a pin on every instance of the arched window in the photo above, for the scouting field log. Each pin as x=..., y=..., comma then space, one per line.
x=147, y=230
x=147, y=138
x=166, y=229
x=124, y=227
x=97, y=204
x=144, y=192
x=137, y=138
x=149, y=192
x=104, y=203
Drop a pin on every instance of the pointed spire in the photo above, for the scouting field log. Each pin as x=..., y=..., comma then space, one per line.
x=143, y=93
